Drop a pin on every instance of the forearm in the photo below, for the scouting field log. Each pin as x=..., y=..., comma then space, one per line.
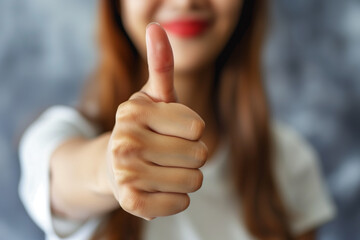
x=79, y=187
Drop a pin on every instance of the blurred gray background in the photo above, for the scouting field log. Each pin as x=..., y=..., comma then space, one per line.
x=312, y=66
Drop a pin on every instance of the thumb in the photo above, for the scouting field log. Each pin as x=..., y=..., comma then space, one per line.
x=160, y=86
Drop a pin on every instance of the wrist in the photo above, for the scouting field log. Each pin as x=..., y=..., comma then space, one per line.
x=99, y=181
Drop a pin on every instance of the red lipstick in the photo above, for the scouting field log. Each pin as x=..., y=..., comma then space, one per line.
x=186, y=28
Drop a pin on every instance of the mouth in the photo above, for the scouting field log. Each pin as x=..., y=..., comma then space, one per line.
x=186, y=28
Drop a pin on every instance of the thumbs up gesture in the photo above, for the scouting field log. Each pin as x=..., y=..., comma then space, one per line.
x=155, y=150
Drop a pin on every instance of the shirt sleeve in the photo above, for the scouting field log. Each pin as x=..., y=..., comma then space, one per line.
x=54, y=126
x=300, y=182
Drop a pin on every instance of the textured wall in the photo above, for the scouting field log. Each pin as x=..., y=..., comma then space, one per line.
x=46, y=50
x=312, y=70
x=313, y=74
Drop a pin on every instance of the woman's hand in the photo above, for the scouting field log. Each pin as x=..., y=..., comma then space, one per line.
x=155, y=152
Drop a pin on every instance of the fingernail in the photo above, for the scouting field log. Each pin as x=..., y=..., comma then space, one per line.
x=152, y=24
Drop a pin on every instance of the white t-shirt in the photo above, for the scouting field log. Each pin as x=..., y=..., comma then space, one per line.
x=214, y=209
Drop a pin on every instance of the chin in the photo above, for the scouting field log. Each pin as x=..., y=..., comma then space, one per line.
x=193, y=61
x=190, y=66
x=191, y=56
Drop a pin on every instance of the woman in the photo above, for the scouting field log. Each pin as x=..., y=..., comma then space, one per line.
x=136, y=149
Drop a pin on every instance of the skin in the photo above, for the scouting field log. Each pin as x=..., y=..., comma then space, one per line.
x=150, y=161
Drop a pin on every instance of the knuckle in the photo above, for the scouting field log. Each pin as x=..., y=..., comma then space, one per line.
x=197, y=128
x=123, y=111
x=125, y=177
x=127, y=145
x=128, y=148
x=132, y=203
x=131, y=110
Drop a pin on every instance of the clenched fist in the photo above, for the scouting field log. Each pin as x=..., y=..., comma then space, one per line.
x=155, y=152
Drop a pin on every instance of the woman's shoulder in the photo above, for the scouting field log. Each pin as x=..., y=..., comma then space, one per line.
x=300, y=181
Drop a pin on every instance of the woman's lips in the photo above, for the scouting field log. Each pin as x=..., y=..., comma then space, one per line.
x=186, y=28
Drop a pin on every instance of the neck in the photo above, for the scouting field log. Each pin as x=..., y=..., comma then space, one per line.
x=194, y=89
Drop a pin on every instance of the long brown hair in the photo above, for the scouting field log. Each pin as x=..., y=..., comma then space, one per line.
x=240, y=103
